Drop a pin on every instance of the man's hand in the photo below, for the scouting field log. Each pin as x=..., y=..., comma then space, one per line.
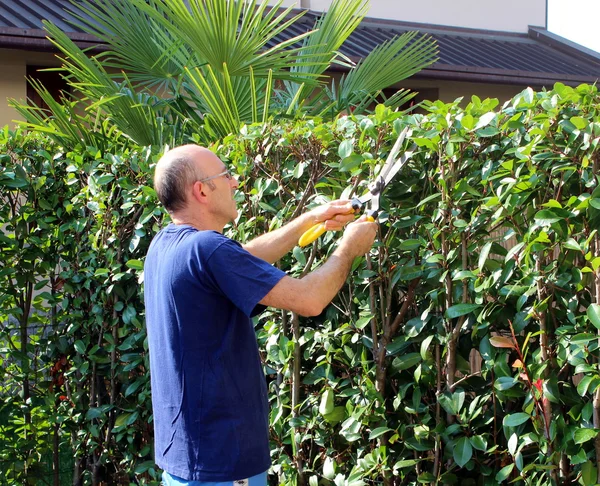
x=335, y=214
x=359, y=236
x=308, y=296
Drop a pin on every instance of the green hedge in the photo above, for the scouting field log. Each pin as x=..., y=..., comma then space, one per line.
x=463, y=350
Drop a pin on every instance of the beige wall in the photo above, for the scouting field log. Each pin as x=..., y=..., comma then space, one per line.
x=449, y=91
x=508, y=15
x=13, y=64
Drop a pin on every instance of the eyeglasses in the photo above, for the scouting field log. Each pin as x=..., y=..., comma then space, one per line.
x=225, y=173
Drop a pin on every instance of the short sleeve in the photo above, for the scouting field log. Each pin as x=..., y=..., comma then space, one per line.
x=242, y=277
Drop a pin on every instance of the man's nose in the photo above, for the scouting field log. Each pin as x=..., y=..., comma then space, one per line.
x=234, y=182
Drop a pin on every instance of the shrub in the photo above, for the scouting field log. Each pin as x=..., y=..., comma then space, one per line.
x=465, y=345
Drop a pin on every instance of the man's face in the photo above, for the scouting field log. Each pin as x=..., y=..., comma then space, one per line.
x=223, y=203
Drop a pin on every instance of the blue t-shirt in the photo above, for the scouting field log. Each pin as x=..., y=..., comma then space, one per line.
x=209, y=394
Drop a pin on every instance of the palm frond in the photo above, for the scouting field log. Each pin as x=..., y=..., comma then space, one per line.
x=61, y=122
x=229, y=101
x=330, y=31
x=133, y=113
x=239, y=35
x=149, y=51
x=388, y=64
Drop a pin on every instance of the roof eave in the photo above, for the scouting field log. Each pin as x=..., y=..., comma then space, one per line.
x=492, y=76
x=535, y=80
x=562, y=44
x=37, y=40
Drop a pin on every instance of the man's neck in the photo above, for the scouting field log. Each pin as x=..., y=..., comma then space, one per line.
x=200, y=223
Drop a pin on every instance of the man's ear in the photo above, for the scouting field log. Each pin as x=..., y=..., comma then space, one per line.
x=200, y=192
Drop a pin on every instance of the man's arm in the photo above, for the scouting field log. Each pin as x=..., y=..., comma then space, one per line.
x=309, y=296
x=274, y=245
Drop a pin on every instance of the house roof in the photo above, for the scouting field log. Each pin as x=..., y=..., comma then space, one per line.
x=537, y=58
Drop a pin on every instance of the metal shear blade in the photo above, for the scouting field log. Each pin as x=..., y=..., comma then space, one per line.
x=387, y=173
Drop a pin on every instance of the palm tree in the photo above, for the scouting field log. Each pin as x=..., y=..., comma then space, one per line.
x=176, y=70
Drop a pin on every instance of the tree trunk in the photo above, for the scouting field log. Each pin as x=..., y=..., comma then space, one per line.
x=56, y=457
x=544, y=352
x=26, y=308
x=296, y=395
x=596, y=299
x=437, y=463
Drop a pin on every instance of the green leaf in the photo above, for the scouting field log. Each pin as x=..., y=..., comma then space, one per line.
x=546, y=217
x=512, y=444
x=551, y=391
x=329, y=468
x=504, y=473
x=571, y=244
x=336, y=416
x=483, y=256
x=409, y=244
x=133, y=387
x=104, y=179
x=515, y=419
x=464, y=274
x=144, y=467
x=345, y=149
x=583, y=435
x=94, y=413
x=460, y=310
x=122, y=419
x=135, y=264
x=426, y=478
x=488, y=132
x=467, y=122
x=327, y=402
x=589, y=474
x=378, y=432
x=351, y=429
x=579, y=122
x=299, y=170
x=587, y=384
x=485, y=120
x=41, y=284
x=80, y=347
x=593, y=314
x=299, y=255
x=407, y=361
x=463, y=451
x=406, y=463
x=425, y=346
x=478, y=442
x=583, y=338
x=452, y=402
x=351, y=162
x=414, y=327
x=505, y=383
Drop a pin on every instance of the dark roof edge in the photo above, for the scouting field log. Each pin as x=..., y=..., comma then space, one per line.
x=536, y=80
x=486, y=75
x=42, y=34
x=560, y=43
x=36, y=39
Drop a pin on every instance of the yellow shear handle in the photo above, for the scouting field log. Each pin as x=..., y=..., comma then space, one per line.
x=317, y=230
x=312, y=234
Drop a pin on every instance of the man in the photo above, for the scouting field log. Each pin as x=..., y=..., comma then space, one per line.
x=209, y=394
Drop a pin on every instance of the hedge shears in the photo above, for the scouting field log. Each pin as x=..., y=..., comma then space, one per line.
x=386, y=174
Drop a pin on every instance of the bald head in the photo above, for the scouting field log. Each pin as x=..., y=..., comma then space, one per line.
x=177, y=170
